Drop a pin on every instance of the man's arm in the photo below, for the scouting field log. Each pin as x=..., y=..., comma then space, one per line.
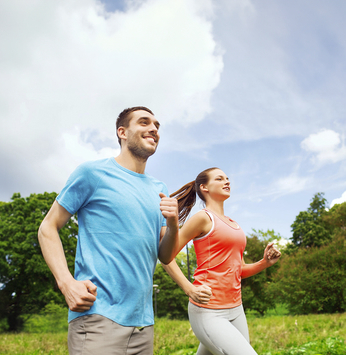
x=79, y=295
x=169, y=243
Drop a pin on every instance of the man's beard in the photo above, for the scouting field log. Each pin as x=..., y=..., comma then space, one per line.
x=140, y=152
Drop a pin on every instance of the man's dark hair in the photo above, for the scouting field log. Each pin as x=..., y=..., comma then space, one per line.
x=124, y=118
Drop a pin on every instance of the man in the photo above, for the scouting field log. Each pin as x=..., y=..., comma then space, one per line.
x=125, y=222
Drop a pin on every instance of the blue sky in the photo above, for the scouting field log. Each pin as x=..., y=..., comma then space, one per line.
x=256, y=88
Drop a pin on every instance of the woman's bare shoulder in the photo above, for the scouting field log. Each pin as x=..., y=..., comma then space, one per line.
x=201, y=223
x=201, y=216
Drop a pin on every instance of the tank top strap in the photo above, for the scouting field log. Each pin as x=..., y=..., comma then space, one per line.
x=212, y=226
x=217, y=220
x=209, y=214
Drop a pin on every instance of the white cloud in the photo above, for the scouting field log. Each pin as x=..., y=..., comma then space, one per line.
x=74, y=151
x=69, y=66
x=324, y=140
x=283, y=72
x=287, y=185
x=326, y=146
x=339, y=200
x=291, y=184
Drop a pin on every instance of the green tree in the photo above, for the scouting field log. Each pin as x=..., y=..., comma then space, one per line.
x=27, y=284
x=189, y=261
x=335, y=219
x=313, y=280
x=170, y=298
x=255, y=294
x=171, y=301
x=309, y=229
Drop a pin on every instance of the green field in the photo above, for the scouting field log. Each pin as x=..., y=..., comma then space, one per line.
x=270, y=335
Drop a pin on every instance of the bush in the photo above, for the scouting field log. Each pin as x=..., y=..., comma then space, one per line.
x=313, y=280
x=255, y=294
x=27, y=285
x=52, y=319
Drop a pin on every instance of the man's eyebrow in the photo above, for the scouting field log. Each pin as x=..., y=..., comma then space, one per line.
x=156, y=123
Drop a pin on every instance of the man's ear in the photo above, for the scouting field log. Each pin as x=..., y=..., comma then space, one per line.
x=122, y=132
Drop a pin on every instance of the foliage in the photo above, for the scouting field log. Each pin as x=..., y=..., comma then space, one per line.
x=335, y=218
x=171, y=301
x=313, y=280
x=190, y=261
x=312, y=274
x=27, y=285
x=255, y=294
x=309, y=228
x=53, y=319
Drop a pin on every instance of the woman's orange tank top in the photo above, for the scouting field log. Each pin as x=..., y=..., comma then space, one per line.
x=219, y=263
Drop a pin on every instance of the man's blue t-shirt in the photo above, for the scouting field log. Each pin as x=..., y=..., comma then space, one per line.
x=119, y=222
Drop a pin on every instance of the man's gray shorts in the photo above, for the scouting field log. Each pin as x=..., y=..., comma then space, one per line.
x=98, y=335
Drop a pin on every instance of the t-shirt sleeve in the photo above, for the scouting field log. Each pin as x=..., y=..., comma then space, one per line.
x=79, y=187
x=165, y=191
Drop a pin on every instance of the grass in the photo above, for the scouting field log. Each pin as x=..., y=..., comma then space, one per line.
x=33, y=344
x=270, y=335
x=171, y=336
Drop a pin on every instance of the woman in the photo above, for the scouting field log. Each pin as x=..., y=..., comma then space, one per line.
x=215, y=309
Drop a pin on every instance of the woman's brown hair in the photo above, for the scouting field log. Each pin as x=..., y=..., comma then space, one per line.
x=186, y=195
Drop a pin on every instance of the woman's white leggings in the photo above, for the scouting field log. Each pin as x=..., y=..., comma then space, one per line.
x=220, y=331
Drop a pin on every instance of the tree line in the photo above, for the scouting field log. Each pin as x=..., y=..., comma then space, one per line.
x=309, y=278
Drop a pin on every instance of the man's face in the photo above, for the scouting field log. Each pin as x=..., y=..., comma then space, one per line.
x=142, y=136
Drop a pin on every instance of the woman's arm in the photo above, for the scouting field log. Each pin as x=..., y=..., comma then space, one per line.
x=200, y=294
x=270, y=257
x=198, y=225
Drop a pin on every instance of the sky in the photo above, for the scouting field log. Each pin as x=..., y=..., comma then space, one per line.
x=256, y=88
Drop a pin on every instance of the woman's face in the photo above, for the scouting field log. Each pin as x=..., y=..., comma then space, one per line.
x=218, y=186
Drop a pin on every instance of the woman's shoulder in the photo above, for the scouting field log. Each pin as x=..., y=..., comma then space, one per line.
x=200, y=222
x=200, y=216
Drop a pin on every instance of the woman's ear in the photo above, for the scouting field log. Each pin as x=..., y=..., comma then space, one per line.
x=203, y=188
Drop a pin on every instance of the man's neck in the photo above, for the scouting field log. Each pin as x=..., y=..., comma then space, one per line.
x=128, y=161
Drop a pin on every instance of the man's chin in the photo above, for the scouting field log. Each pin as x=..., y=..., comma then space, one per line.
x=151, y=152
x=151, y=149
x=143, y=154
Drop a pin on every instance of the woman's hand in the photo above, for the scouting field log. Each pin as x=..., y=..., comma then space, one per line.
x=271, y=254
x=200, y=294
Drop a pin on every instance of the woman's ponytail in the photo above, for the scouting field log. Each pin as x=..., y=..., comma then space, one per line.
x=186, y=197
